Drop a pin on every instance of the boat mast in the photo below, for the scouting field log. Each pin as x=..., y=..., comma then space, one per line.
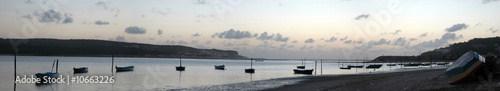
x=112, y=63
x=53, y=63
x=15, y=70
x=251, y=62
x=180, y=61
x=57, y=66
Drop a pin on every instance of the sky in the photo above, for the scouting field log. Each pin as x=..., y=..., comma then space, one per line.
x=284, y=29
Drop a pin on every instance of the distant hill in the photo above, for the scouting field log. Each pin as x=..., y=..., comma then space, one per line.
x=483, y=46
x=86, y=47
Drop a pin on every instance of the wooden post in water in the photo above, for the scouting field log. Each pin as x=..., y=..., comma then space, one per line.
x=251, y=63
x=315, y=68
x=321, y=72
x=112, y=63
x=15, y=70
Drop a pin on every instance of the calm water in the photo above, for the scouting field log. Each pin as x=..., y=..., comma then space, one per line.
x=160, y=73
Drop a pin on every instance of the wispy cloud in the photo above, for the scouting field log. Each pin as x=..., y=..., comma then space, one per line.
x=135, y=30
x=362, y=16
x=99, y=22
x=457, y=27
x=310, y=40
x=233, y=34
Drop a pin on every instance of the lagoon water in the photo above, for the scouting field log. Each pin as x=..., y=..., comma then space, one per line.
x=160, y=73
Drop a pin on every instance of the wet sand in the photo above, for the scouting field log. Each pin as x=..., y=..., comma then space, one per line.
x=399, y=81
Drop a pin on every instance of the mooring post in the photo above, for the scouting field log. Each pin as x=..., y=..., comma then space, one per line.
x=315, y=67
x=321, y=72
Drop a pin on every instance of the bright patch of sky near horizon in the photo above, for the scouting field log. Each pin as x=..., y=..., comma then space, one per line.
x=308, y=28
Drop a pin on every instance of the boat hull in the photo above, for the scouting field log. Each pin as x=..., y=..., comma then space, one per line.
x=345, y=67
x=220, y=67
x=180, y=68
x=375, y=66
x=46, y=75
x=251, y=70
x=303, y=71
x=464, y=67
x=122, y=69
x=301, y=67
x=355, y=66
x=81, y=70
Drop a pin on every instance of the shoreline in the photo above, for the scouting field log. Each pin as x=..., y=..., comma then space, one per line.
x=417, y=80
x=431, y=79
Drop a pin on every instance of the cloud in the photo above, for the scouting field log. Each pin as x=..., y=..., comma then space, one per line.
x=493, y=30
x=439, y=42
x=194, y=41
x=99, y=22
x=232, y=34
x=280, y=37
x=401, y=41
x=135, y=30
x=332, y=39
x=310, y=40
x=396, y=32
x=348, y=42
x=102, y=4
x=380, y=42
x=208, y=42
x=68, y=20
x=119, y=38
x=160, y=32
x=362, y=16
x=170, y=42
x=488, y=1
x=265, y=36
x=196, y=35
x=295, y=41
x=342, y=39
x=457, y=27
x=423, y=35
x=51, y=16
x=181, y=42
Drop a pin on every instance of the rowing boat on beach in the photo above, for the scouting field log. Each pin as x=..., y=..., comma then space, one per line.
x=126, y=68
x=464, y=67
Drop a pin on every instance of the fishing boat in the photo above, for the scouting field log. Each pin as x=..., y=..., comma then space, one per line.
x=303, y=71
x=250, y=70
x=180, y=67
x=355, y=66
x=220, y=67
x=80, y=70
x=126, y=68
x=376, y=66
x=464, y=67
x=50, y=74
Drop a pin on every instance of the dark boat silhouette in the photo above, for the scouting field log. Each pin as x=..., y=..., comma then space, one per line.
x=80, y=70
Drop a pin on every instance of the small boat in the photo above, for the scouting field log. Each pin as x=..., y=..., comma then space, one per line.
x=80, y=70
x=303, y=71
x=411, y=64
x=441, y=63
x=126, y=68
x=464, y=67
x=180, y=67
x=376, y=66
x=426, y=64
x=345, y=67
x=301, y=66
x=221, y=67
x=50, y=74
x=391, y=64
x=355, y=66
x=250, y=70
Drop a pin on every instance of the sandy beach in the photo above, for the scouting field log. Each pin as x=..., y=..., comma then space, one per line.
x=399, y=81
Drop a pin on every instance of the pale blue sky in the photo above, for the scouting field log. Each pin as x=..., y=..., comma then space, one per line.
x=308, y=28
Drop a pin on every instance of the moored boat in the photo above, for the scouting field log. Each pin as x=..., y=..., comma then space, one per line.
x=219, y=67
x=126, y=68
x=50, y=74
x=464, y=67
x=80, y=70
x=345, y=67
x=303, y=71
x=376, y=66
x=391, y=64
x=355, y=66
